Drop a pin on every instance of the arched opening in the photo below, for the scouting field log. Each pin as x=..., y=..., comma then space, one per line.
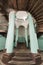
x=21, y=37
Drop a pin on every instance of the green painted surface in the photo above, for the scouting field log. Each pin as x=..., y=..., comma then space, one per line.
x=22, y=39
x=2, y=42
x=33, y=36
x=10, y=34
x=40, y=42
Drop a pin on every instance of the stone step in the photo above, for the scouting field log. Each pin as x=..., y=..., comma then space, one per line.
x=15, y=58
x=22, y=57
x=21, y=63
x=22, y=53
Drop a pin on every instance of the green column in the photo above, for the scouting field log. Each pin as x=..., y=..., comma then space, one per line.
x=26, y=37
x=10, y=34
x=33, y=36
x=16, y=37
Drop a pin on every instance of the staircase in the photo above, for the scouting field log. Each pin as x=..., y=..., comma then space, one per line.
x=21, y=56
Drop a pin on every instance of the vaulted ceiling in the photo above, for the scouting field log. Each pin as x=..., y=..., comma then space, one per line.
x=35, y=7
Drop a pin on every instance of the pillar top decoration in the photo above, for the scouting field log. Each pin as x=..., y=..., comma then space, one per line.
x=21, y=15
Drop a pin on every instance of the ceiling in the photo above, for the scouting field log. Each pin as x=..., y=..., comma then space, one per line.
x=35, y=7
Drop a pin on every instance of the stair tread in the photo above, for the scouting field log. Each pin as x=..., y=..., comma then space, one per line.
x=21, y=62
x=22, y=55
x=21, y=58
x=22, y=51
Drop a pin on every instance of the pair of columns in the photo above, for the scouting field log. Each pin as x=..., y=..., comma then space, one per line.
x=10, y=34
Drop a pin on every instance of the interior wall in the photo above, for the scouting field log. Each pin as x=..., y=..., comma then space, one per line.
x=40, y=42
x=2, y=42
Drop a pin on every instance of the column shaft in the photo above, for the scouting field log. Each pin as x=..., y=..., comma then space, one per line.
x=33, y=36
x=10, y=34
x=26, y=37
x=16, y=39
